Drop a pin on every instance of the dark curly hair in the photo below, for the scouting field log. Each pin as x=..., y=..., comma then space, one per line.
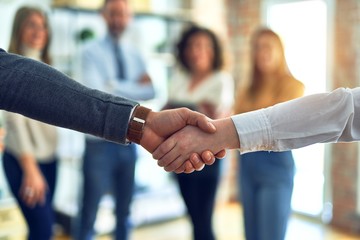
x=218, y=61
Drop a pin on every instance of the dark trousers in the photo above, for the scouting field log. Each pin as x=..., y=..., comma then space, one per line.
x=198, y=190
x=108, y=167
x=266, y=185
x=39, y=219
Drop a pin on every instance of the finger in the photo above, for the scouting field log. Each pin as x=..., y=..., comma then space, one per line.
x=169, y=157
x=163, y=149
x=29, y=199
x=189, y=168
x=201, y=121
x=32, y=200
x=196, y=162
x=180, y=169
x=208, y=157
x=175, y=164
x=186, y=167
x=26, y=194
x=42, y=198
x=221, y=154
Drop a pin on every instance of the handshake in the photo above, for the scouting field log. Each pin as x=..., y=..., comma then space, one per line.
x=183, y=140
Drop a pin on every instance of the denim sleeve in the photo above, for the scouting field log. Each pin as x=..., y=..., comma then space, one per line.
x=38, y=91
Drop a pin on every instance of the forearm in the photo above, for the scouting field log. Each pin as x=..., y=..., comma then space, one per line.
x=319, y=118
x=28, y=163
x=40, y=92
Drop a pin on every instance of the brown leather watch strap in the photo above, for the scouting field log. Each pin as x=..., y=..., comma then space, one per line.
x=137, y=123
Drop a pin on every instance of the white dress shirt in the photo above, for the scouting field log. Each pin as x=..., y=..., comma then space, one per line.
x=318, y=118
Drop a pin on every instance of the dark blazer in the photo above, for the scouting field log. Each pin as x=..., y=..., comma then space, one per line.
x=38, y=91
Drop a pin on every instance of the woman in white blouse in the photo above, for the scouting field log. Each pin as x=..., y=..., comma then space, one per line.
x=201, y=84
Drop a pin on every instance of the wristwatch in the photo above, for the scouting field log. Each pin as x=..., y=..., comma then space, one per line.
x=137, y=123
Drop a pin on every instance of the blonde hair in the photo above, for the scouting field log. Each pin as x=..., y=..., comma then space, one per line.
x=283, y=69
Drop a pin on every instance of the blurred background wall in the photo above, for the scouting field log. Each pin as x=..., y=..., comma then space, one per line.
x=322, y=41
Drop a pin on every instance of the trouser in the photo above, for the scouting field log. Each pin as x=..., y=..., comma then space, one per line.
x=198, y=190
x=39, y=219
x=266, y=185
x=108, y=167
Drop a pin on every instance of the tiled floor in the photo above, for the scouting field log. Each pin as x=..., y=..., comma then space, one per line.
x=227, y=222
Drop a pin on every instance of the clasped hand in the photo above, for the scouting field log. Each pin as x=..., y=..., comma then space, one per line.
x=184, y=141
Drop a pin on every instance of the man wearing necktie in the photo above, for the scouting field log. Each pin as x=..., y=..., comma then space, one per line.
x=111, y=65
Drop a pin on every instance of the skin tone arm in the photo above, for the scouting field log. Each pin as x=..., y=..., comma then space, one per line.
x=2, y=136
x=183, y=144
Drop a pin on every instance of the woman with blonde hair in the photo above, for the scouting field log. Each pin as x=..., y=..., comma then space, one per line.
x=266, y=178
x=29, y=158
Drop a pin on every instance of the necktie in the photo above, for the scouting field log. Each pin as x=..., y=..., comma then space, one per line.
x=119, y=62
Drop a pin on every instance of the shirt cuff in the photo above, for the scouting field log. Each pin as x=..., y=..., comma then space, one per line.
x=254, y=131
x=127, y=141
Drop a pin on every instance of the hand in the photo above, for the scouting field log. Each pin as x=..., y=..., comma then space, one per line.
x=33, y=188
x=183, y=144
x=160, y=125
x=145, y=79
x=206, y=158
x=2, y=136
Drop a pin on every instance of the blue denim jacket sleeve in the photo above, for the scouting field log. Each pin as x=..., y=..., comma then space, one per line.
x=38, y=91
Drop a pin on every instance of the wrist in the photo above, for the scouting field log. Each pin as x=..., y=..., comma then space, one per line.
x=226, y=133
x=137, y=123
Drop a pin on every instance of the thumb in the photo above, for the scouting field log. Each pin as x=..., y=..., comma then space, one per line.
x=201, y=121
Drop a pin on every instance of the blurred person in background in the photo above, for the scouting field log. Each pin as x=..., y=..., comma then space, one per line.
x=2, y=133
x=29, y=159
x=266, y=178
x=201, y=84
x=114, y=66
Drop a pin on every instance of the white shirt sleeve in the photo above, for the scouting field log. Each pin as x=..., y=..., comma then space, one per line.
x=318, y=118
